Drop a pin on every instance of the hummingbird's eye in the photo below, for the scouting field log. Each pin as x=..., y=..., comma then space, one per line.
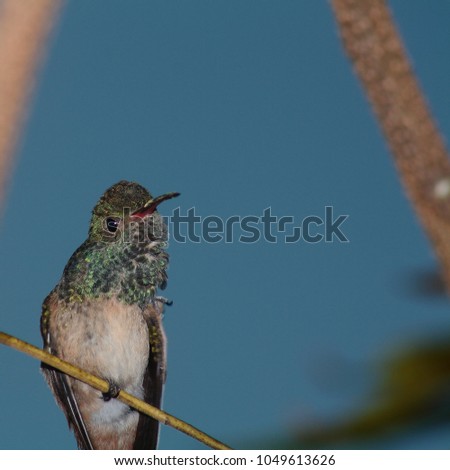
x=112, y=224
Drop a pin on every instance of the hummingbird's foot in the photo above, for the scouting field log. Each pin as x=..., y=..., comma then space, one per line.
x=113, y=391
x=164, y=300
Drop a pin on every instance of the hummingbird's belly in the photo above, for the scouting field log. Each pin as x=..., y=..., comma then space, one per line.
x=107, y=338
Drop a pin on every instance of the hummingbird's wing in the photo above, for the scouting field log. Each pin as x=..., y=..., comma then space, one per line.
x=58, y=383
x=154, y=378
x=68, y=403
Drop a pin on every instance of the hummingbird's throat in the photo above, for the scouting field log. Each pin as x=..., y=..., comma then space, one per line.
x=151, y=205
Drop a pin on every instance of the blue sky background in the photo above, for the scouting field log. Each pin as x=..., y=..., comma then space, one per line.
x=238, y=105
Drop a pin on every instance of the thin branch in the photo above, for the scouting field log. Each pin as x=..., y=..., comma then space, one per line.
x=380, y=60
x=103, y=386
x=24, y=28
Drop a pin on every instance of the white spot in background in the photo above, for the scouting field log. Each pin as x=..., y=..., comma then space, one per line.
x=442, y=188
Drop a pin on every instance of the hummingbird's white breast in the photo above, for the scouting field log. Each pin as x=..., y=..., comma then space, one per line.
x=110, y=339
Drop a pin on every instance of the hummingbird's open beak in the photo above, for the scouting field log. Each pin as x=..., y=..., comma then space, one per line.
x=151, y=205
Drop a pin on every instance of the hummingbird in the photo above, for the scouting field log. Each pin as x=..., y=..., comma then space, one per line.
x=105, y=316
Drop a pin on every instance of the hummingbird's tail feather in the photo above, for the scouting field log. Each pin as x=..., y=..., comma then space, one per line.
x=67, y=401
x=147, y=434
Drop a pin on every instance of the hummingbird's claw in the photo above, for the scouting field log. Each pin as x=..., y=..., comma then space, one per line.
x=113, y=391
x=164, y=300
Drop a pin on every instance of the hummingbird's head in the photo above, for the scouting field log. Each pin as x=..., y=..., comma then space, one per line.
x=127, y=212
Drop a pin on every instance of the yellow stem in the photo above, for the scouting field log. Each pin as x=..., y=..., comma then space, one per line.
x=103, y=386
